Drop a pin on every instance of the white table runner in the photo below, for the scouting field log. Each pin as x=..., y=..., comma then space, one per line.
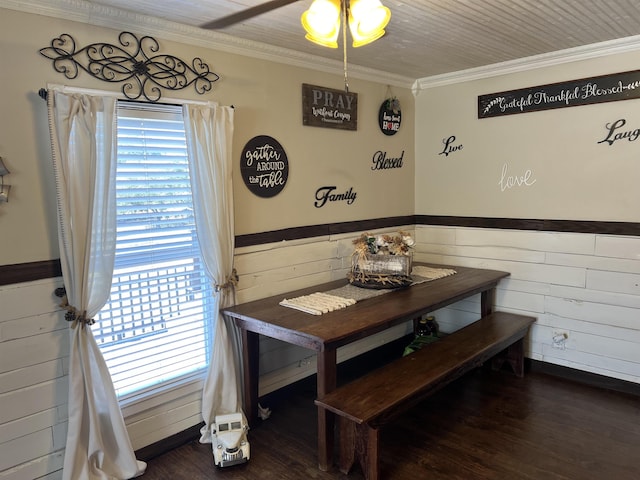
x=339, y=298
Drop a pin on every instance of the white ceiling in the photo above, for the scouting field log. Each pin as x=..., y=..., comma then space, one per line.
x=424, y=37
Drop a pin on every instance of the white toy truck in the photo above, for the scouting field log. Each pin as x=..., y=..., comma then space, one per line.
x=229, y=440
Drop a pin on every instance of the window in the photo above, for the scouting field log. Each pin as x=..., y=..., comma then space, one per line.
x=154, y=330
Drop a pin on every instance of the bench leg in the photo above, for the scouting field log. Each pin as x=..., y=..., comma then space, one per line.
x=347, y=444
x=514, y=356
x=359, y=442
x=367, y=441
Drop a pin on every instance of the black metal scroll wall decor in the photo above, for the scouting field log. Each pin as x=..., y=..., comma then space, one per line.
x=135, y=61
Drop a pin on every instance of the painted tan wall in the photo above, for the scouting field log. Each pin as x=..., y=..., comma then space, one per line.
x=267, y=97
x=268, y=101
x=584, y=286
x=571, y=175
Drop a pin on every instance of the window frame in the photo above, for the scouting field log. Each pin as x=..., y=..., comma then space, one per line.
x=188, y=385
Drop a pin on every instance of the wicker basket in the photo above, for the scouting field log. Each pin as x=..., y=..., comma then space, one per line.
x=382, y=264
x=381, y=271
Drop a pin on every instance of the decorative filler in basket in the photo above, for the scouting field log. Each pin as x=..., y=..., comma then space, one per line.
x=382, y=261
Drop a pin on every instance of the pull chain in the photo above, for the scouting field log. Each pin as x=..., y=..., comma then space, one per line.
x=344, y=43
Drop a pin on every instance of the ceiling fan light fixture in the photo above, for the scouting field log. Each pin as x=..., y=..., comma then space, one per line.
x=322, y=22
x=360, y=40
x=367, y=20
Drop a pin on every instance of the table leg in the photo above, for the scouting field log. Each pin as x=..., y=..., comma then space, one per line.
x=487, y=299
x=251, y=355
x=326, y=420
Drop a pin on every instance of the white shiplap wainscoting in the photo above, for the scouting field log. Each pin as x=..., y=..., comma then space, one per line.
x=277, y=268
x=34, y=353
x=584, y=286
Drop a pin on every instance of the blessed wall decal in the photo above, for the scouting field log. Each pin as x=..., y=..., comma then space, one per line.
x=381, y=161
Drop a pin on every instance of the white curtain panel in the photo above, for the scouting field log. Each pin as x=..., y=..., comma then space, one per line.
x=83, y=143
x=209, y=130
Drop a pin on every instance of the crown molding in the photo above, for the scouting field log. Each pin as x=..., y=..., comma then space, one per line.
x=560, y=57
x=100, y=15
x=95, y=14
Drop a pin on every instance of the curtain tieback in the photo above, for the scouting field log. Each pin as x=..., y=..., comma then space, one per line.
x=232, y=281
x=74, y=315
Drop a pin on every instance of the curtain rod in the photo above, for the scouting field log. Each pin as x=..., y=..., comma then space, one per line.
x=44, y=93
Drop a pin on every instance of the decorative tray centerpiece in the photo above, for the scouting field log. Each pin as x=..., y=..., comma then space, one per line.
x=382, y=261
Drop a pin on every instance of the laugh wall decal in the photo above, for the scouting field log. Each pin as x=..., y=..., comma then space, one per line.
x=614, y=133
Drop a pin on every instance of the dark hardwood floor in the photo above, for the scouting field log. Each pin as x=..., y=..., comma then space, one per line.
x=487, y=425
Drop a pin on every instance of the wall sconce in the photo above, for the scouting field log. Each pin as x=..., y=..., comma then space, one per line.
x=4, y=189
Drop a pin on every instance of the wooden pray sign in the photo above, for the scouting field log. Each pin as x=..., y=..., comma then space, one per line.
x=329, y=108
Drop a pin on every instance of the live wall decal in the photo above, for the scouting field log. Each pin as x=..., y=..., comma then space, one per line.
x=450, y=146
x=135, y=61
x=586, y=91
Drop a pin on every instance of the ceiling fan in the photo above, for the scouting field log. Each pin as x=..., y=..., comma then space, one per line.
x=246, y=14
x=366, y=20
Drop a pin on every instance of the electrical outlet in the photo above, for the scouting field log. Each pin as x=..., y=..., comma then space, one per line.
x=305, y=362
x=559, y=340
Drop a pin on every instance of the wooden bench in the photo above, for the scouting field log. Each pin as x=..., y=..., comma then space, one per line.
x=371, y=401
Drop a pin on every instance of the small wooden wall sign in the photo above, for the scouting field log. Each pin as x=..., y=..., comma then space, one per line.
x=264, y=166
x=329, y=108
x=390, y=116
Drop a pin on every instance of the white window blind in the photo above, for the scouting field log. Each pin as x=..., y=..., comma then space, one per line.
x=154, y=330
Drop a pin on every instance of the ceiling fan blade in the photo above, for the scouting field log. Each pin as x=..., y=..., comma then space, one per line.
x=246, y=14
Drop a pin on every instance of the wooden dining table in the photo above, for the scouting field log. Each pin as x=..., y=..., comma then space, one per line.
x=325, y=333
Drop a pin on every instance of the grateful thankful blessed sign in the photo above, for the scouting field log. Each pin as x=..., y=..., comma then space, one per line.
x=605, y=88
